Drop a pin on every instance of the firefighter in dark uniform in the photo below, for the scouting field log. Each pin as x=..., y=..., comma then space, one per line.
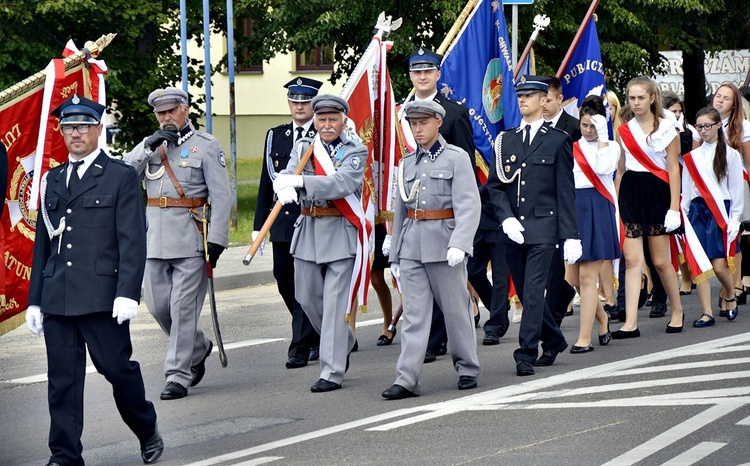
x=89, y=258
x=279, y=143
x=531, y=182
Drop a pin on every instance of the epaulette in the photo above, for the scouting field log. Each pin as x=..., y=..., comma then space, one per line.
x=206, y=136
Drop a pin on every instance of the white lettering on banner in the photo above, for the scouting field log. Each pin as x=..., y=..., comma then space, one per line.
x=725, y=66
x=579, y=68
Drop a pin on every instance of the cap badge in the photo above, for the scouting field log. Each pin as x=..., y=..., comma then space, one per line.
x=160, y=93
x=523, y=79
x=421, y=51
x=76, y=100
x=299, y=81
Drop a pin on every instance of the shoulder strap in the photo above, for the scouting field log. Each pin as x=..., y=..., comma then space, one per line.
x=168, y=168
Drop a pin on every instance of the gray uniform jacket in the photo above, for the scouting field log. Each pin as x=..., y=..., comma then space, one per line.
x=445, y=183
x=336, y=236
x=200, y=167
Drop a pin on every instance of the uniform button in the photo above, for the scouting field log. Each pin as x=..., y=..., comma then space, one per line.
x=115, y=270
x=522, y=217
x=69, y=264
x=440, y=175
x=542, y=160
x=523, y=183
x=523, y=164
x=286, y=212
x=523, y=199
x=68, y=211
x=97, y=201
x=551, y=212
x=424, y=174
x=424, y=202
x=69, y=246
x=69, y=229
x=424, y=188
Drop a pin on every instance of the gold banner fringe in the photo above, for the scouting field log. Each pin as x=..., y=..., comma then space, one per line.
x=12, y=323
x=363, y=309
x=704, y=276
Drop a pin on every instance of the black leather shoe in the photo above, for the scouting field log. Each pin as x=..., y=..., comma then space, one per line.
x=314, y=354
x=173, y=391
x=503, y=329
x=658, y=310
x=625, y=334
x=429, y=357
x=467, y=382
x=397, y=392
x=607, y=337
x=384, y=340
x=152, y=449
x=671, y=329
x=490, y=339
x=524, y=368
x=323, y=385
x=443, y=350
x=581, y=349
x=52, y=463
x=199, y=370
x=548, y=357
x=295, y=363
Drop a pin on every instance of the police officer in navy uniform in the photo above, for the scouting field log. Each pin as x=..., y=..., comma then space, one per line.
x=279, y=143
x=559, y=292
x=531, y=182
x=89, y=257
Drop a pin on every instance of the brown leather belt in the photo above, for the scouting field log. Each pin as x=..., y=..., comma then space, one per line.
x=421, y=214
x=165, y=201
x=321, y=211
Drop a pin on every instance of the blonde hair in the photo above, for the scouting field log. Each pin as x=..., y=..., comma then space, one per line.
x=614, y=110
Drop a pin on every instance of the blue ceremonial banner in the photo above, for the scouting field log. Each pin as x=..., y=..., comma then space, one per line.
x=477, y=71
x=584, y=73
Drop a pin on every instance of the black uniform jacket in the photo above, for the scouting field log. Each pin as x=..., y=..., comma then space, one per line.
x=103, y=250
x=569, y=124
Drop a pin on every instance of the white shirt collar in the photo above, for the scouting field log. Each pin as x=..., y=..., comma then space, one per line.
x=535, y=125
x=87, y=161
x=431, y=97
x=556, y=118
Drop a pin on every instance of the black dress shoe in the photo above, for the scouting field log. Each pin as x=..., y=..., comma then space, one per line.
x=607, y=337
x=581, y=349
x=323, y=385
x=52, y=463
x=548, y=357
x=671, y=329
x=503, y=329
x=524, y=368
x=467, y=382
x=295, y=363
x=314, y=354
x=700, y=323
x=625, y=334
x=443, y=350
x=384, y=340
x=199, y=370
x=490, y=339
x=658, y=310
x=173, y=391
x=397, y=392
x=152, y=449
x=429, y=357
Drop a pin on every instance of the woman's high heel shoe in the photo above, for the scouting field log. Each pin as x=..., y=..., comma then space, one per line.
x=742, y=295
x=384, y=340
x=607, y=337
x=671, y=329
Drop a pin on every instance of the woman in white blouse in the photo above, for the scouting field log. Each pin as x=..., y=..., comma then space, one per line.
x=712, y=196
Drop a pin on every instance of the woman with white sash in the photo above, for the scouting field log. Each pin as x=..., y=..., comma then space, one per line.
x=595, y=160
x=649, y=199
x=712, y=197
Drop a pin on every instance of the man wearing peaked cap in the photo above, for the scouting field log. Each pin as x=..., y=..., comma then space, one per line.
x=531, y=186
x=423, y=59
x=329, y=192
x=277, y=148
x=424, y=109
x=183, y=170
x=89, y=257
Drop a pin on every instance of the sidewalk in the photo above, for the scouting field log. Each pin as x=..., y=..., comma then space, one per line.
x=231, y=273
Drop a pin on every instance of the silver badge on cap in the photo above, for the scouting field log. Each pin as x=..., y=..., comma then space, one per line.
x=523, y=79
x=299, y=81
x=421, y=51
x=76, y=100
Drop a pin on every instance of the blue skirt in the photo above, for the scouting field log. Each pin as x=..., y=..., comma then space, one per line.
x=596, y=226
x=706, y=229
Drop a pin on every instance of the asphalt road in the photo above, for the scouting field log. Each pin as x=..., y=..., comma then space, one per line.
x=657, y=400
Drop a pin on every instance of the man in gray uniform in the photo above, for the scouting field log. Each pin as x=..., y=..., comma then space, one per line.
x=325, y=243
x=436, y=216
x=182, y=169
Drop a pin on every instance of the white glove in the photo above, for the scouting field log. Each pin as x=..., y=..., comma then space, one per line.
x=34, y=320
x=286, y=181
x=287, y=195
x=395, y=269
x=672, y=220
x=572, y=250
x=681, y=122
x=600, y=123
x=513, y=228
x=387, y=246
x=733, y=229
x=262, y=243
x=124, y=309
x=455, y=256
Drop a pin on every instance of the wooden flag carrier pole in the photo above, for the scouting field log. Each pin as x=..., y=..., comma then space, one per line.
x=577, y=37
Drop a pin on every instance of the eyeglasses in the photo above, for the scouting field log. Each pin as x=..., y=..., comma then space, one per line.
x=706, y=127
x=82, y=129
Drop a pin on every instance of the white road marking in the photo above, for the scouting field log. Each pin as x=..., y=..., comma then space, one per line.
x=678, y=367
x=695, y=454
x=257, y=461
x=246, y=343
x=744, y=422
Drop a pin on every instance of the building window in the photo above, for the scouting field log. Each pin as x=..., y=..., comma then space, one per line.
x=246, y=64
x=319, y=59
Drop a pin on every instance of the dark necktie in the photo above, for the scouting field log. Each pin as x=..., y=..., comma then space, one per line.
x=74, y=179
x=300, y=130
x=527, y=137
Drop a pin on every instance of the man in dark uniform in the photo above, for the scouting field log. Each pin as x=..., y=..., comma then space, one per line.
x=531, y=181
x=424, y=72
x=279, y=143
x=559, y=292
x=89, y=257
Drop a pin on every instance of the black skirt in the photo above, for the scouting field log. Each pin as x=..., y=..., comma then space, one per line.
x=644, y=201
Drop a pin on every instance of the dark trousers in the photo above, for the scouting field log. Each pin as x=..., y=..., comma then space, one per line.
x=304, y=335
x=529, y=267
x=438, y=332
x=109, y=346
x=489, y=248
x=559, y=292
x=658, y=293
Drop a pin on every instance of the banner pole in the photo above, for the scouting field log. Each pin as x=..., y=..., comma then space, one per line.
x=577, y=37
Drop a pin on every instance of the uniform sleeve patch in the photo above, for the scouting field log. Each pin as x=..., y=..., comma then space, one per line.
x=355, y=163
x=222, y=159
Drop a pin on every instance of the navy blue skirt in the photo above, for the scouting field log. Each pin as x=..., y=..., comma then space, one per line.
x=596, y=226
x=706, y=228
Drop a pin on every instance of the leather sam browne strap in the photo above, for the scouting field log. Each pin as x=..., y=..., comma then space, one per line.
x=420, y=214
x=168, y=168
x=164, y=202
x=321, y=212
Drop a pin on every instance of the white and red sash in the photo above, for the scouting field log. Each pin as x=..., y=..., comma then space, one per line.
x=627, y=138
x=351, y=208
x=607, y=192
x=710, y=190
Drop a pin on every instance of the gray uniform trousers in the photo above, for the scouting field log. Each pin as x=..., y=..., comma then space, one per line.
x=420, y=282
x=322, y=290
x=174, y=294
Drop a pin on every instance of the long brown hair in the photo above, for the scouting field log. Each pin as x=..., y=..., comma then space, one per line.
x=720, y=157
x=734, y=125
x=653, y=90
